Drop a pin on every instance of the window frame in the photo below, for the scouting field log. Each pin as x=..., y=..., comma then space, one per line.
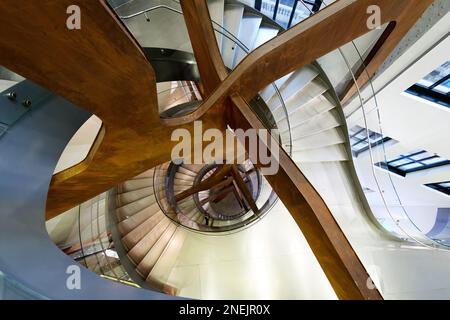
x=437, y=186
x=403, y=172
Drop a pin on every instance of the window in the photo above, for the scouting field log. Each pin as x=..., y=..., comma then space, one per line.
x=414, y=161
x=360, y=142
x=288, y=12
x=443, y=187
x=435, y=86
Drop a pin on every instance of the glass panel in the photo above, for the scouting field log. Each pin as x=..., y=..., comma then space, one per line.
x=433, y=160
x=410, y=166
x=435, y=75
x=444, y=87
x=268, y=8
x=284, y=12
x=301, y=13
x=399, y=162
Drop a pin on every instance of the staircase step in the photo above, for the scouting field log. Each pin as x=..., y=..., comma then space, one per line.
x=216, y=12
x=232, y=23
x=265, y=33
x=127, y=225
x=322, y=139
x=143, y=247
x=131, y=196
x=138, y=233
x=312, y=90
x=295, y=83
x=180, y=182
x=187, y=172
x=146, y=174
x=180, y=188
x=131, y=185
x=269, y=92
x=184, y=177
x=247, y=35
x=147, y=264
x=131, y=208
x=160, y=273
x=326, y=154
x=305, y=113
x=322, y=122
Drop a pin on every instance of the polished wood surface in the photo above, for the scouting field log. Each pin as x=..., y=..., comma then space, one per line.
x=203, y=40
x=408, y=13
x=242, y=186
x=325, y=31
x=218, y=179
x=100, y=68
x=336, y=256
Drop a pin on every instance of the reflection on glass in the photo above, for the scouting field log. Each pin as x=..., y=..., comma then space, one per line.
x=413, y=161
x=268, y=8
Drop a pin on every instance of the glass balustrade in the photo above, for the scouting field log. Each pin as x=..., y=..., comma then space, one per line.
x=96, y=249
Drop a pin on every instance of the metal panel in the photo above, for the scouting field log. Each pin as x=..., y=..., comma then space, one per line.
x=28, y=156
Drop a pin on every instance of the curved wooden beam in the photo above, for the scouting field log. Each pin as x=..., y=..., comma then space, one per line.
x=203, y=40
x=218, y=178
x=395, y=31
x=327, y=30
x=100, y=68
x=242, y=186
x=333, y=251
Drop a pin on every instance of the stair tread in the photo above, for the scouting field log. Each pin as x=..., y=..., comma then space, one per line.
x=149, y=261
x=265, y=33
x=321, y=123
x=143, y=247
x=133, y=221
x=247, y=35
x=232, y=23
x=295, y=83
x=130, y=209
x=131, y=185
x=138, y=233
x=131, y=196
x=164, y=265
x=216, y=12
x=319, y=140
x=335, y=152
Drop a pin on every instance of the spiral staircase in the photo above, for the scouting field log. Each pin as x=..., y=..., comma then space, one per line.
x=306, y=113
x=151, y=216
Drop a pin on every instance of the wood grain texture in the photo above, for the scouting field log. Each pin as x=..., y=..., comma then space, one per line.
x=336, y=256
x=100, y=68
x=396, y=30
x=203, y=40
x=327, y=30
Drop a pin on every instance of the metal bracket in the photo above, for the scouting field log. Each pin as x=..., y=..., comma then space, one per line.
x=16, y=101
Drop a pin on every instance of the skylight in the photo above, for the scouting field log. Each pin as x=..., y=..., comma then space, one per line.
x=413, y=161
x=443, y=187
x=360, y=141
x=435, y=86
x=288, y=12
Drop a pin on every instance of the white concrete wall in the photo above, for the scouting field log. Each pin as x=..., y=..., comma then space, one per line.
x=415, y=123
